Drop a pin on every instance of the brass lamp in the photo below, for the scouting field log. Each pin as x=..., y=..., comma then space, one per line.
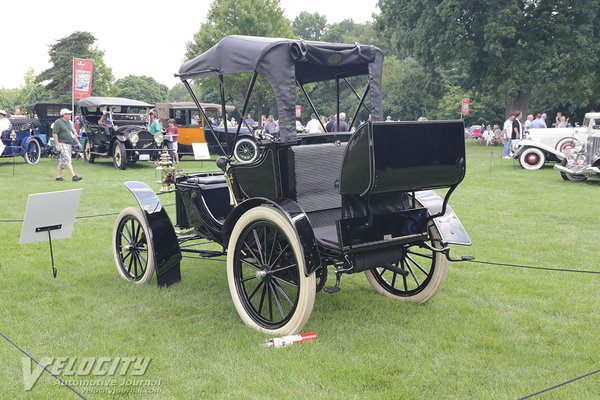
x=165, y=172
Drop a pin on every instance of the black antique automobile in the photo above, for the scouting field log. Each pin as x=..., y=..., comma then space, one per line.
x=127, y=139
x=356, y=202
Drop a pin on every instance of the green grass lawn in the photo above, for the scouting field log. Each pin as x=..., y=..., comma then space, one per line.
x=490, y=333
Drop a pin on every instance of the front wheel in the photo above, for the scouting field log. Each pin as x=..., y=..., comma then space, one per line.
x=245, y=150
x=570, y=177
x=426, y=272
x=132, y=247
x=87, y=152
x=265, y=271
x=119, y=156
x=33, y=152
x=532, y=159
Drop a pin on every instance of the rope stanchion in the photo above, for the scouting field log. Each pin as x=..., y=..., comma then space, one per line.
x=530, y=267
x=81, y=217
x=44, y=367
x=559, y=385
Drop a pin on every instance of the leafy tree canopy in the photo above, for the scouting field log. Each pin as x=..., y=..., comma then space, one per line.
x=507, y=46
x=59, y=75
x=310, y=26
x=240, y=17
x=142, y=88
x=178, y=93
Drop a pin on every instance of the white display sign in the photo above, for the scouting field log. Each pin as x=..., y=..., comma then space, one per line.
x=201, y=151
x=54, y=211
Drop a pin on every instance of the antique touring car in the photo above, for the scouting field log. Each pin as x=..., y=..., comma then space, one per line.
x=554, y=144
x=126, y=139
x=192, y=127
x=358, y=202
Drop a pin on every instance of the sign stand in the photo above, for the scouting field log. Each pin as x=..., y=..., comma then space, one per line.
x=49, y=229
x=47, y=213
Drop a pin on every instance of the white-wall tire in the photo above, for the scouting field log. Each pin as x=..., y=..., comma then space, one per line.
x=532, y=159
x=245, y=150
x=257, y=276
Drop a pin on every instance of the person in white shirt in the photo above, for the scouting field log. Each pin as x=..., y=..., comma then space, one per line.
x=488, y=135
x=314, y=126
x=4, y=122
x=507, y=134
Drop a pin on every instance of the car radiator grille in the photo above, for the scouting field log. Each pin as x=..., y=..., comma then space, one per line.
x=593, y=149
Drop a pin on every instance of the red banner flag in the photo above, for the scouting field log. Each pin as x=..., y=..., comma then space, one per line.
x=298, y=111
x=465, y=107
x=82, y=78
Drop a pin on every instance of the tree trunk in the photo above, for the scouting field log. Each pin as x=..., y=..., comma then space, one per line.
x=519, y=103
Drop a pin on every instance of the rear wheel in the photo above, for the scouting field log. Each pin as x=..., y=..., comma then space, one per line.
x=532, y=159
x=570, y=177
x=87, y=152
x=132, y=247
x=425, y=273
x=33, y=152
x=265, y=271
x=245, y=150
x=119, y=156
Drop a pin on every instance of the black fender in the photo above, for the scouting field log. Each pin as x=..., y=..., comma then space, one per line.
x=167, y=253
x=297, y=218
x=449, y=226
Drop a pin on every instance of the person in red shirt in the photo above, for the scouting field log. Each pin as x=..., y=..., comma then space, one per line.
x=174, y=132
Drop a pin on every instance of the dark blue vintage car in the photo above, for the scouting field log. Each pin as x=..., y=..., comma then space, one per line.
x=22, y=139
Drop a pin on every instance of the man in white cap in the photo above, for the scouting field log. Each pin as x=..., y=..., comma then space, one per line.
x=64, y=133
x=4, y=122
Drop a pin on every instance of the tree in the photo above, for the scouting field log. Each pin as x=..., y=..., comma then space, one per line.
x=240, y=17
x=348, y=31
x=507, y=46
x=310, y=26
x=408, y=93
x=76, y=45
x=142, y=88
x=9, y=98
x=178, y=93
x=32, y=92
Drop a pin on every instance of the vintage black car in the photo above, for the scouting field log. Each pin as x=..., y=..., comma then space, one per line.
x=127, y=139
x=356, y=202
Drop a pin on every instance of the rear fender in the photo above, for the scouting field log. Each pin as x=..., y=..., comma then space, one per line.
x=296, y=217
x=449, y=226
x=162, y=234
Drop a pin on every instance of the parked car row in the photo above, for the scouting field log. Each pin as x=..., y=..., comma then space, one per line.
x=572, y=148
x=30, y=136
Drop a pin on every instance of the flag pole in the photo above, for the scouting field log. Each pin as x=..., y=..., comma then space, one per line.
x=73, y=86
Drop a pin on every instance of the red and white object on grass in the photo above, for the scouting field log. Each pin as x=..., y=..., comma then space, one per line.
x=285, y=341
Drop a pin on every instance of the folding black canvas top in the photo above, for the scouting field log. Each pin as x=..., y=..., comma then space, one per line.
x=282, y=62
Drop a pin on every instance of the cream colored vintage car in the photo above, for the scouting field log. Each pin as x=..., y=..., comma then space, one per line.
x=551, y=144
